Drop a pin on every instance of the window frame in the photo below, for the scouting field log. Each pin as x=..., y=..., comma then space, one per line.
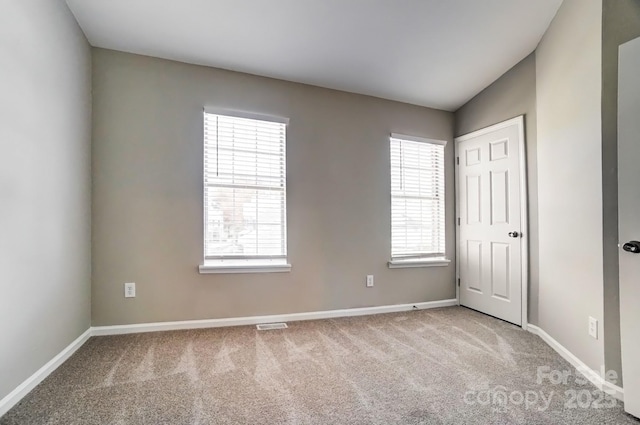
x=425, y=259
x=241, y=263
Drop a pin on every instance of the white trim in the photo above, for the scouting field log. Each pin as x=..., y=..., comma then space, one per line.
x=31, y=382
x=255, y=320
x=456, y=226
x=524, y=208
x=245, y=114
x=418, y=139
x=594, y=377
x=246, y=268
x=420, y=262
x=524, y=226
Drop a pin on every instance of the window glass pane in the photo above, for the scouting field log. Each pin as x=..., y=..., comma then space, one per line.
x=417, y=199
x=245, y=188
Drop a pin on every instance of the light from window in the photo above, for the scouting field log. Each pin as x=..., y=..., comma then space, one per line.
x=417, y=198
x=244, y=188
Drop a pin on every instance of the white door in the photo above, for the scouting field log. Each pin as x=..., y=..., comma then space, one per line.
x=629, y=219
x=491, y=245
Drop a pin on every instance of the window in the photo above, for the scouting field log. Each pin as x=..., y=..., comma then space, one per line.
x=244, y=194
x=417, y=202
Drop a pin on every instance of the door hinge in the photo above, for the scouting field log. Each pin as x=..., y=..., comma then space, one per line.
x=458, y=281
x=458, y=221
x=457, y=160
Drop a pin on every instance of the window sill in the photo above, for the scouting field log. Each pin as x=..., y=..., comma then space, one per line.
x=222, y=266
x=421, y=262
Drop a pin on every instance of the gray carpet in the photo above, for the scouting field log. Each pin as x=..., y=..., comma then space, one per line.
x=444, y=366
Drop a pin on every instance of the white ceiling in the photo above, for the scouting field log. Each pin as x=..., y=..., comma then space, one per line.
x=437, y=53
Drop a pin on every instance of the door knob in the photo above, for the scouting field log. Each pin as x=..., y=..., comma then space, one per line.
x=516, y=234
x=632, y=247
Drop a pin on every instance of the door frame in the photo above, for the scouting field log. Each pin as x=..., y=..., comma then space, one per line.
x=524, y=204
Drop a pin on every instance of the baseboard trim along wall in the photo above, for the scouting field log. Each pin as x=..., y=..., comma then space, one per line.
x=593, y=376
x=30, y=383
x=256, y=320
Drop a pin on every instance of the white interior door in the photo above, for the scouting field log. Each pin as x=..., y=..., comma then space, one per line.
x=629, y=219
x=491, y=220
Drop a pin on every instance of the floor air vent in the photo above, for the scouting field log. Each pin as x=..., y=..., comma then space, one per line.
x=271, y=326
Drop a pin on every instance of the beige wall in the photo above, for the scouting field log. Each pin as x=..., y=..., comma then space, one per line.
x=147, y=195
x=513, y=94
x=568, y=91
x=620, y=23
x=45, y=180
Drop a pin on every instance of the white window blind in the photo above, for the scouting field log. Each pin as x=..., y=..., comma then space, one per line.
x=417, y=198
x=244, y=188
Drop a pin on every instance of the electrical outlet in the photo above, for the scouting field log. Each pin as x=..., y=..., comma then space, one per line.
x=593, y=327
x=130, y=290
x=369, y=280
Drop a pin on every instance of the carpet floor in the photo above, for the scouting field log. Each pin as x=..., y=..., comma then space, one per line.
x=443, y=366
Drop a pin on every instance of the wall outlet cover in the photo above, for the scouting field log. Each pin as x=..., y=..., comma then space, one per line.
x=593, y=327
x=130, y=290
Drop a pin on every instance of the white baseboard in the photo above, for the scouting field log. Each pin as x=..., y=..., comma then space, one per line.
x=580, y=366
x=30, y=383
x=23, y=389
x=255, y=320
